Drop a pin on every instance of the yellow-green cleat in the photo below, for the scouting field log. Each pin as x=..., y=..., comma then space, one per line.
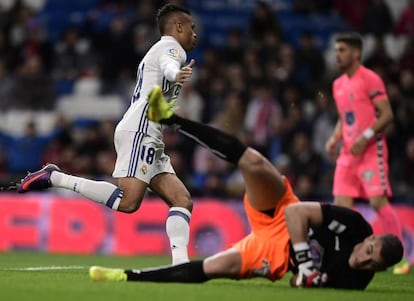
x=401, y=268
x=98, y=273
x=159, y=108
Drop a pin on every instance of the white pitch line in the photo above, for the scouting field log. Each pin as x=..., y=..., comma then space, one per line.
x=47, y=268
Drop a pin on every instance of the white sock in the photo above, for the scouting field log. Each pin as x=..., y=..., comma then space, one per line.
x=178, y=231
x=98, y=191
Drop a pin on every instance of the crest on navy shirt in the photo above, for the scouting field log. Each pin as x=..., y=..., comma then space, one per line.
x=349, y=118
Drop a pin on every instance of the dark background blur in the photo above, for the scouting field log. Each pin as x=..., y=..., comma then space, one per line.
x=263, y=72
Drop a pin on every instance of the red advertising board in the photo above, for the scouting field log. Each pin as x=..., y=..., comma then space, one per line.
x=58, y=224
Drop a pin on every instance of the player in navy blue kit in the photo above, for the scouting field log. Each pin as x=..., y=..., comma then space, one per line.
x=323, y=245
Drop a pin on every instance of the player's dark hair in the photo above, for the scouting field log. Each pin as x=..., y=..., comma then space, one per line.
x=392, y=249
x=165, y=12
x=352, y=39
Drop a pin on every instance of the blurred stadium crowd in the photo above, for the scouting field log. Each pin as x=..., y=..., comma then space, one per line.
x=263, y=72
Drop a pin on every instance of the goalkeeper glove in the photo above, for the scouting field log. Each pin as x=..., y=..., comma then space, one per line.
x=308, y=275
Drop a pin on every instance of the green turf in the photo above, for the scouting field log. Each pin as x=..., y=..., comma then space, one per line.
x=74, y=284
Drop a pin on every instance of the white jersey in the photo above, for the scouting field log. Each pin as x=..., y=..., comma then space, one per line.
x=153, y=70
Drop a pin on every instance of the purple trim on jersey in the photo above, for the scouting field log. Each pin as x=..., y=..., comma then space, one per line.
x=114, y=196
x=165, y=85
x=133, y=162
x=136, y=145
x=375, y=93
x=140, y=80
x=380, y=157
x=179, y=213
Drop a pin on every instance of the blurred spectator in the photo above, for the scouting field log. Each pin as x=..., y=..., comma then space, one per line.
x=5, y=6
x=324, y=122
x=33, y=88
x=210, y=171
x=235, y=46
x=295, y=122
x=19, y=17
x=407, y=84
x=311, y=6
x=236, y=77
x=379, y=55
x=6, y=83
x=30, y=39
x=144, y=15
x=269, y=47
x=406, y=61
x=209, y=174
x=305, y=161
x=6, y=52
x=35, y=5
x=261, y=110
x=116, y=53
x=403, y=173
x=303, y=6
x=190, y=104
x=72, y=55
x=306, y=187
x=143, y=39
x=252, y=66
x=405, y=23
x=215, y=98
x=276, y=141
x=263, y=20
x=24, y=153
x=117, y=3
x=283, y=163
x=377, y=10
x=289, y=98
x=310, y=63
x=105, y=163
x=94, y=141
x=233, y=113
x=287, y=64
x=353, y=12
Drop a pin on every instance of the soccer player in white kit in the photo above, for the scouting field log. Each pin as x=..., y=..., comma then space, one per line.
x=141, y=162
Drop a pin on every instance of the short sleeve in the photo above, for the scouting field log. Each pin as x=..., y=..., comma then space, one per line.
x=375, y=87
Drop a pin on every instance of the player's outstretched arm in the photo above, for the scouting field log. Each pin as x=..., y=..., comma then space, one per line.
x=299, y=218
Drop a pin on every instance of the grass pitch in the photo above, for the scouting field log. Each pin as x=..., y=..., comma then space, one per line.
x=39, y=276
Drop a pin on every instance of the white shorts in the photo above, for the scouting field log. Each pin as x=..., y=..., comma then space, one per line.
x=140, y=156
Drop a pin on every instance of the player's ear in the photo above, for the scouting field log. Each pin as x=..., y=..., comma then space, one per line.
x=371, y=237
x=179, y=26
